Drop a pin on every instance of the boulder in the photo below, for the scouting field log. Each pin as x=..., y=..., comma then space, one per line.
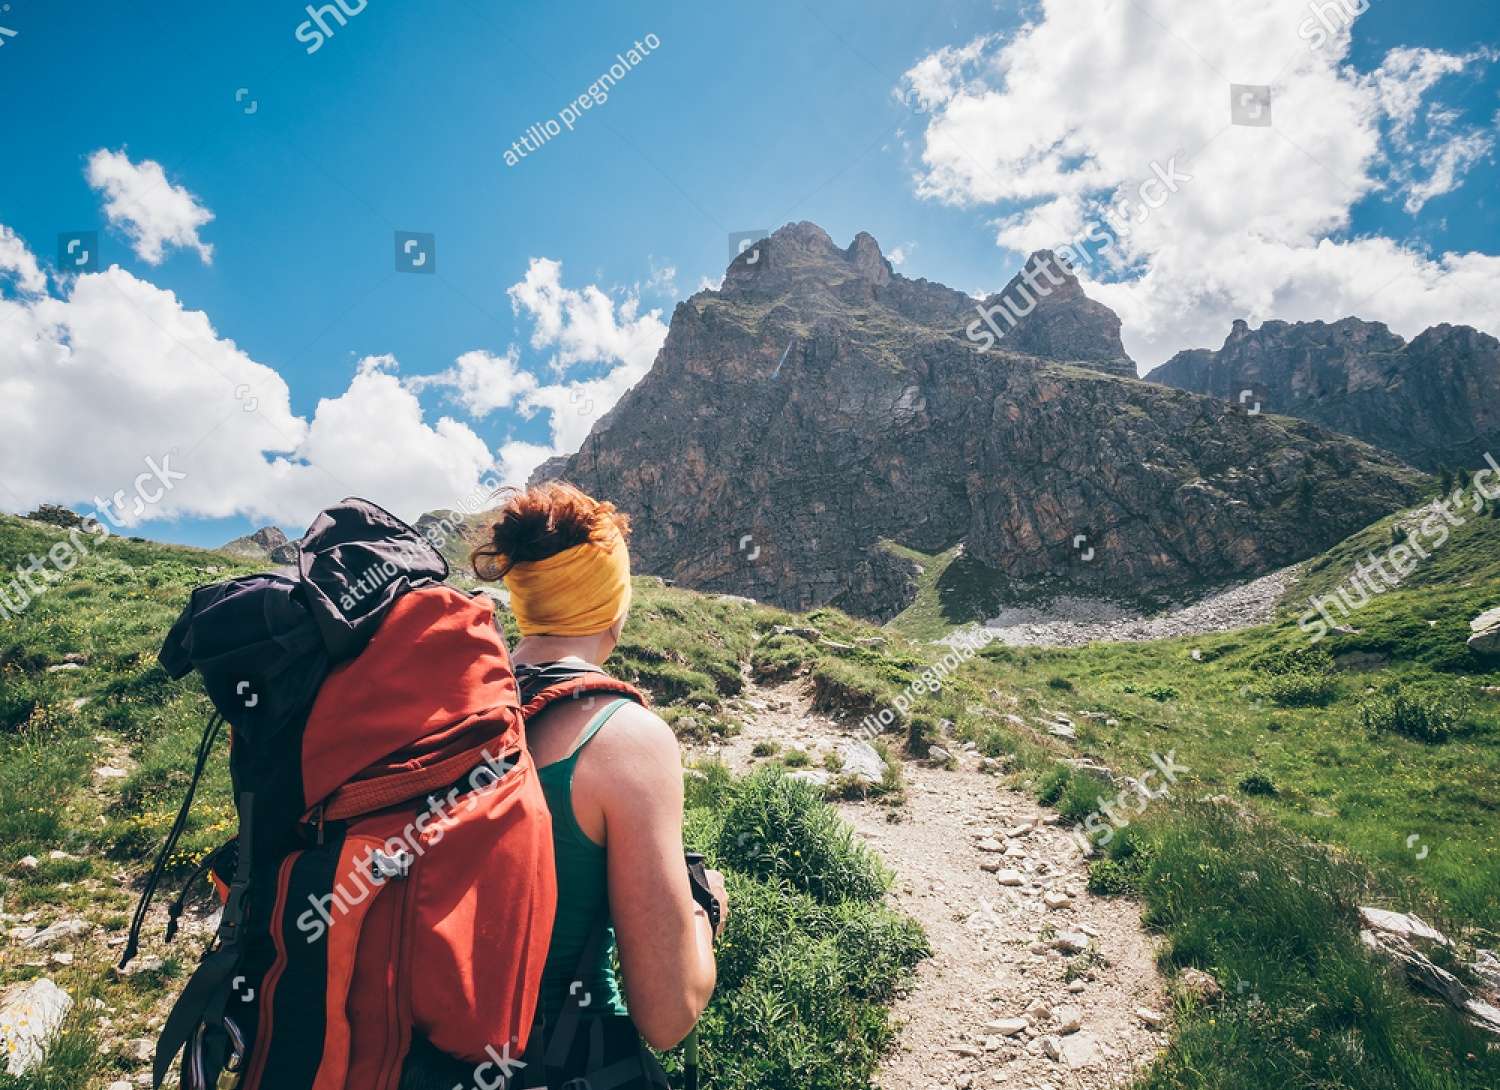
x=862, y=762
x=1400, y=940
x=1486, y=638
x=31, y=1015
x=816, y=777
x=58, y=933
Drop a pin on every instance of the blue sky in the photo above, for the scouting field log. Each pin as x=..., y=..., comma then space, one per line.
x=745, y=116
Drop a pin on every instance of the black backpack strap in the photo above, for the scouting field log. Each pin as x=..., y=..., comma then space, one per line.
x=202, y=1001
x=633, y=1069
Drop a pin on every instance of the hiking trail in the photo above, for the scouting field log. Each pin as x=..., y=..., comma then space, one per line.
x=1033, y=982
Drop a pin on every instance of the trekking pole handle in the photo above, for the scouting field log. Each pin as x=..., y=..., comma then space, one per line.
x=702, y=892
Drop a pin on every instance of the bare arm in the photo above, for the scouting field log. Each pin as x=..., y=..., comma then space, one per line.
x=633, y=772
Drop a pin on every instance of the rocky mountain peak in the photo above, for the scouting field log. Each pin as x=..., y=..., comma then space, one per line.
x=1431, y=401
x=267, y=543
x=820, y=404
x=865, y=256
x=1044, y=312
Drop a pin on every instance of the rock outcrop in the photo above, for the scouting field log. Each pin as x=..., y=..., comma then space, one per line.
x=267, y=543
x=1434, y=401
x=820, y=403
x=1054, y=319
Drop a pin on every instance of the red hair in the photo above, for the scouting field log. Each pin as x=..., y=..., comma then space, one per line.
x=539, y=522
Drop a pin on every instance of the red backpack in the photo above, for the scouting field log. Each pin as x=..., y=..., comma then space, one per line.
x=393, y=872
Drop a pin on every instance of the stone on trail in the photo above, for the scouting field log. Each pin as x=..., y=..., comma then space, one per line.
x=60, y=932
x=31, y=1014
x=1054, y=899
x=1071, y=942
x=1006, y=1027
x=1154, y=1019
x=1011, y=878
x=862, y=762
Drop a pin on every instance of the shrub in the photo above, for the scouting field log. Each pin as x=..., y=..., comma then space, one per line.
x=778, y=828
x=1422, y=717
x=1300, y=659
x=764, y=749
x=922, y=733
x=1257, y=784
x=1299, y=690
x=1061, y=684
x=1159, y=693
x=1084, y=794
x=1052, y=786
x=781, y=656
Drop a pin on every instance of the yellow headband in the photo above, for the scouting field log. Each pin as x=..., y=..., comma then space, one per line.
x=577, y=592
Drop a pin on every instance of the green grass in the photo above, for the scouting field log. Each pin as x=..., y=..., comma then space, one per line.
x=811, y=957
x=1272, y=917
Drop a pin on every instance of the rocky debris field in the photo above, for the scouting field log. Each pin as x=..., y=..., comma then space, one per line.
x=1074, y=622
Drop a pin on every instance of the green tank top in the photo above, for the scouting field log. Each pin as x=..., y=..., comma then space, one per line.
x=582, y=894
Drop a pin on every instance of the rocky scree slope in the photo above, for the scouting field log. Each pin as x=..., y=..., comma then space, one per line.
x=819, y=403
x=1434, y=401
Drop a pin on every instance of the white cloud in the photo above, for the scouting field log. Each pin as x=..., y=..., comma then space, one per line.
x=482, y=382
x=112, y=371
x=663, y=278
x=18, y=262
x=1054, y=124
x=898, y=254
x=153, y=213
x=584, y=326
x=115, y=371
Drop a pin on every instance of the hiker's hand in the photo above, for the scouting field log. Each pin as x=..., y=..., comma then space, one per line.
x=716, y=887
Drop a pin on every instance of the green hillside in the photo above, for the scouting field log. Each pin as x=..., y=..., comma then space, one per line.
x=1307, y=770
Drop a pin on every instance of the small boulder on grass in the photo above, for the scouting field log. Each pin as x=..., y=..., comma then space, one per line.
x=31, y=1016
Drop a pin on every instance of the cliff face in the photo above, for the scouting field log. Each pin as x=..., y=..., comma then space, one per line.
x=819, y=403
x=1435, y=401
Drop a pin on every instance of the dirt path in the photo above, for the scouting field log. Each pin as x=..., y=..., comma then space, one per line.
x=1033, y=982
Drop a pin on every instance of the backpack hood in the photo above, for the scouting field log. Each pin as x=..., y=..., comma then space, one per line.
x=264, y=643
x=355, y=560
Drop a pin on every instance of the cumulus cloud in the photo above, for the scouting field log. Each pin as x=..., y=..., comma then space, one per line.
x=1053, y=127
x=19, y=265
x=153, y=213
x=482, y=382
x=582, y=327
x=115, y=371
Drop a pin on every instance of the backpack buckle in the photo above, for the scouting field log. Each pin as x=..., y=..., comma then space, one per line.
x=385, y=866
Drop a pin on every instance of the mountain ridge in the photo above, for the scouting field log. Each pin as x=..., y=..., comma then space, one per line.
x=819, y=403
x=1432, y=400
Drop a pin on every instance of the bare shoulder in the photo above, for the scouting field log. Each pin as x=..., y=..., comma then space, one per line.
x=636, y=733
